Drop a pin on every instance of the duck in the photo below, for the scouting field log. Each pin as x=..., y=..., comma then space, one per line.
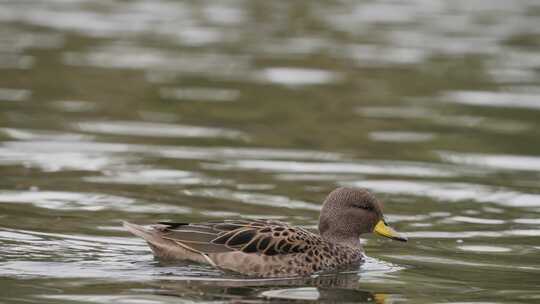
x=269, y=248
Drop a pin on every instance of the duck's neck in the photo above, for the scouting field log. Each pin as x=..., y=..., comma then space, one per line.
x=341, y=238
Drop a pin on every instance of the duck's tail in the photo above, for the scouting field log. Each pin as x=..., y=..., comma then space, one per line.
x=158, y=244
x=164, y=248
x=138, y=230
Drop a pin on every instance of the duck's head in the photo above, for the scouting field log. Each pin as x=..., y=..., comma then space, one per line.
x=349, y=212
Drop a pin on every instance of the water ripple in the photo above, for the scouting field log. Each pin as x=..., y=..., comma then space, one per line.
x=401, y=136
x=477, y=220
x=148, y=176
x=363, y=167
x=298, y=76
x=59, y=200
x=54, y=151
x=60, y=161
x=176, y=152
x=484, y=248
x=8, y=94
x=43, y=135
x=473, y=234
x=453, y=192
x=431, y=116
x=494, y=99
x=135, y=128
x=268, y=200
x=132, y=57
x=200, y=94
x=496, y=161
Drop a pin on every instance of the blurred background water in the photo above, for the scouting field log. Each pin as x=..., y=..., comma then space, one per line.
x=202, y=110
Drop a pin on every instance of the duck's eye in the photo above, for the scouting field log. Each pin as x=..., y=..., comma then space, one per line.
x=365, y=207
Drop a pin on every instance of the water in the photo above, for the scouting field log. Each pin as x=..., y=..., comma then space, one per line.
x=202, y=110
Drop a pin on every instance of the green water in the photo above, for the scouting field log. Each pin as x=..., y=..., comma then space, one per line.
x=203, y=110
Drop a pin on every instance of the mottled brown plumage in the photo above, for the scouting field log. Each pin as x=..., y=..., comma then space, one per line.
x=270, y=248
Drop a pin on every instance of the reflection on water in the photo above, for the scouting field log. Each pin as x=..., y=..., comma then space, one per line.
x=155, y=129
x=456, y=192
x=494, y=99
x=297, y=76
x=199, y=94
x=501, y=162
x=13, y=94
x=190, y=111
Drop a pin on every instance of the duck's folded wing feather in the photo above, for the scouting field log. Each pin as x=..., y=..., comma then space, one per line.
x=266, y=237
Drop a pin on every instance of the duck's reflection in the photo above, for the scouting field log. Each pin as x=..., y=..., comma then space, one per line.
x=342, y=287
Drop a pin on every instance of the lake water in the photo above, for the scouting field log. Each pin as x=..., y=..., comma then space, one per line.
x=203, y=110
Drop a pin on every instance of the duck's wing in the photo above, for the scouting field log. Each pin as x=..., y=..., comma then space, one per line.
x=267, y=237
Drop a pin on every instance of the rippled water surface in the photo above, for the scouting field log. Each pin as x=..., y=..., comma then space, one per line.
x=202, y=110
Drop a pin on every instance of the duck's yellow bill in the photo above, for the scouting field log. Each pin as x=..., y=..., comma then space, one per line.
x=382, y=229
